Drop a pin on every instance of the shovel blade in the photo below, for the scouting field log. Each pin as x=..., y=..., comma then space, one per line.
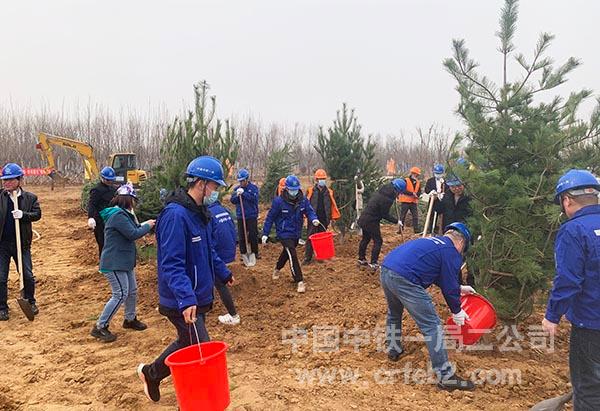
x=245, y=260
x=553, y=404
x=26, y=308
x=252, y=260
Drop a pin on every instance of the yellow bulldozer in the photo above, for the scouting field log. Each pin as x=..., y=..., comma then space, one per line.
x=124, y=164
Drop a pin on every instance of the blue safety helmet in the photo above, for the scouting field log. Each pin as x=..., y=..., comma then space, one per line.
x=243, y=174
x=206, y=168
x=108, y=173
x=461, y=228
x=453, y=181
x=576, y=182
x=10, y=171
x=438, y=169
x=292, y=182
x=399, y=184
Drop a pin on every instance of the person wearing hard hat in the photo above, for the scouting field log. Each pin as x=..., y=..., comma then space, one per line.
x=455, y=205
x=118, y=261
x=28, y=211
x=378, y=208
x=249, y=194
x=576, y=288
x=224, y=239
x=187, y=264
x=100, y=197
x=407, y=271
x=287, y=213
x=436, y=186
x=323, y=202
x=408, y=200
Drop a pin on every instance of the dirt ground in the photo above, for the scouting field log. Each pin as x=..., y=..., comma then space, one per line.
x=53, y=363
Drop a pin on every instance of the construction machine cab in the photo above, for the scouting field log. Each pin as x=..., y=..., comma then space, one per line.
x=125, y=166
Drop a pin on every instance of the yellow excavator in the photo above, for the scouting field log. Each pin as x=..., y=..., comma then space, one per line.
x=124, y=164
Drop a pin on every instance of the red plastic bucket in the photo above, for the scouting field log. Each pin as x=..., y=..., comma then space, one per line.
x=483, y=319
x=200, y=384
x=323, y=245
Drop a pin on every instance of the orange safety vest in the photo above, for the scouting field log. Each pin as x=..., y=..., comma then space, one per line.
x=403, y=198
x=335, y=212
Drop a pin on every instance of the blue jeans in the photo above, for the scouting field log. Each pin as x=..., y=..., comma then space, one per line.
x=8, y=250
x=186, y=336
x=401, y=293
x=124, y=289
x=584, y=366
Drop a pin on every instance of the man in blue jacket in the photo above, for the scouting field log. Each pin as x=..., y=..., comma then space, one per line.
x=187, y=264
x=224, y=239
x=576, y=289
x=288, y=212
x=407, y=271
x=248, y=193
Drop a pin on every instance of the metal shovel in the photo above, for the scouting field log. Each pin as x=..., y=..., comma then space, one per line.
x=249, y=258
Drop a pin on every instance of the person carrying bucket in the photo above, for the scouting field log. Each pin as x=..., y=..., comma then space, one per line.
x=407, y=271
x=323, y=202
x=576, y=288
x=27, y=212
x=287, y=213
x=245, y=197
x=118, y=260
x=378, y=208
x=187, y=264
x=224, y=240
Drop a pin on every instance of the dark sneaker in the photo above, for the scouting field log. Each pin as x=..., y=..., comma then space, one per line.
x=395, y=356
x=454, y=382
x=34, y=309
x=134, y=324
x=374, y=266
x=363, y=263
x=307, y=262
x=151, y=387
x=103, y=334
x=4, y=315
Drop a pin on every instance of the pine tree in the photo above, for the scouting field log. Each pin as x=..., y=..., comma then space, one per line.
x=517, y=146
x=279, y=165
x=199, y=133
x=345, y=154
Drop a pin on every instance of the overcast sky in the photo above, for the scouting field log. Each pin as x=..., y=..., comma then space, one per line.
x=281, y=60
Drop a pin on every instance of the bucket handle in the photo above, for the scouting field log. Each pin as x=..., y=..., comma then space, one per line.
x=197, y=339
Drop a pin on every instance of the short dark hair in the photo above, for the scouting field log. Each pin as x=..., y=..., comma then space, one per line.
x=124, y=201
x=584, y=200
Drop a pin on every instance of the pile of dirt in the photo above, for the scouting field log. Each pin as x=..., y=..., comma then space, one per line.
x=280, y=356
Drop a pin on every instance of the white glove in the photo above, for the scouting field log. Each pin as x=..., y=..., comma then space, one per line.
x=17, y=214
x=316, y=222
x=91, y=223
x=264, y=239
x=400, y=224
x=440, y=196
x=460, y=318
x=467, y=289
x=433, y=193
x=239, y=191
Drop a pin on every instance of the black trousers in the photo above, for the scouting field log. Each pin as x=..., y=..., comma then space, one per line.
x=289, y=251
x=368, y=234
x=99, y=234
x=226, y=297
x=412, y=207
x=308, y=248
x=252, y=231
x=584, y=366
x=186, y=336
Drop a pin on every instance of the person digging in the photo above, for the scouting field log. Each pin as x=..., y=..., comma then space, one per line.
x=287, y=213
x=245, y=197
x=407, y=271
x=378, y=208
x=15, y=220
